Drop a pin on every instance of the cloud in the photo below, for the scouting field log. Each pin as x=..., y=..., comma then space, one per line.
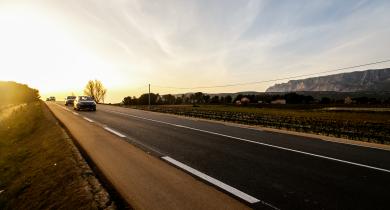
x=198, y=43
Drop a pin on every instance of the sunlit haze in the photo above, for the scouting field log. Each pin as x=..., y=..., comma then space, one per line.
x=57, y=46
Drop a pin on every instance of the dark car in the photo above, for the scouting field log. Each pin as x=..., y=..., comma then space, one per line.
x=69, y=100
x=51, y=98
x=84, y=103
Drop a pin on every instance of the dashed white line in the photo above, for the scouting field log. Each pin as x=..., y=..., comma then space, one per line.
x=75, y=113
x=114, y=132
x=256, y=142
x=228, y=188
x=87, y=119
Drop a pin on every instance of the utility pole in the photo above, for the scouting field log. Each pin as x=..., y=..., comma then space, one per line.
x=149, y=96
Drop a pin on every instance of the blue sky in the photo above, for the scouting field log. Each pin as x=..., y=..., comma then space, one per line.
x=128, y=44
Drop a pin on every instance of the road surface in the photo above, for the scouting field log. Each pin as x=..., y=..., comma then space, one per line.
x=262, y=169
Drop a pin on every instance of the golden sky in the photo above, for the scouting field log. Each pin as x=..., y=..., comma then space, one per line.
x=56, y=46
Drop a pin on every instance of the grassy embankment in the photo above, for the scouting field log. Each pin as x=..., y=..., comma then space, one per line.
x=363, y=125
x=40, y=167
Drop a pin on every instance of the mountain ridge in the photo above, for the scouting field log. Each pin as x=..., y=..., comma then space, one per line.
x=368, y=80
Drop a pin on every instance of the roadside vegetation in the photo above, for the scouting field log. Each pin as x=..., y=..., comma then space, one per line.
x=301, y=113
x=261, y=99
x=15, y=93
x=39, y=166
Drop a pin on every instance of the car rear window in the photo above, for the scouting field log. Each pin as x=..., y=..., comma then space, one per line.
x=85, y=98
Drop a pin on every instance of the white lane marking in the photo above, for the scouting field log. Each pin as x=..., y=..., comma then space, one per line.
x=230, y=189
x=114, y=132
x=87, y=119
x=255, y=142
x=64, y=108
x=75, y=113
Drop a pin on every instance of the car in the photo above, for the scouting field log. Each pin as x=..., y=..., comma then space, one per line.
x=51, y=98
x=69, y=100
x=84, y=103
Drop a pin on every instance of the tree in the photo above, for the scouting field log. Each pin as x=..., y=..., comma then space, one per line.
x=95, y=89
x=179, y=100
x=144, y=99
x=127, y=100
x=198, y=96
x=214, y=100
x=192, y=98
x=186, y=100
x=294, y=98
x=206, y=99
x=130, y=101
x=228, y=99
x=325, y=100
x=168, y=99
x=361, y=100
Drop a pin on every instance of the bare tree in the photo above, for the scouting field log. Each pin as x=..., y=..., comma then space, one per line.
x=89, y=89
x=95, y=89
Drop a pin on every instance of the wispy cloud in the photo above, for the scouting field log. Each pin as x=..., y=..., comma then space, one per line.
x=197, y=43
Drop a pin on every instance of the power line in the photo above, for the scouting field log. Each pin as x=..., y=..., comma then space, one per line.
x=274, y=80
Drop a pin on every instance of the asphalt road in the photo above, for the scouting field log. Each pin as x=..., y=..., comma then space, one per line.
x=144, y=181
x=268, y=169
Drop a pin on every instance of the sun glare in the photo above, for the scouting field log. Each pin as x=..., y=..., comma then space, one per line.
x=43, y=53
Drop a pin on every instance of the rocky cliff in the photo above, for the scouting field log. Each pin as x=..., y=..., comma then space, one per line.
x=369, y=80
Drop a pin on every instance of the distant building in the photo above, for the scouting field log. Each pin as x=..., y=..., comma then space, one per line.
x=245, y=100
x=348, y=100
x=279, y=101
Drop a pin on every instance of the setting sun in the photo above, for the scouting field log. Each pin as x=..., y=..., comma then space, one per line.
x=39, y=49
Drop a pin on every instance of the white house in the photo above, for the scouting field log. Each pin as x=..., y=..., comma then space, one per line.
x=279, y=101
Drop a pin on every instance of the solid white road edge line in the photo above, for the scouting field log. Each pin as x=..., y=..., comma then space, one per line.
x=87, y=119
x=64, y=108
x=216, y=182
x=255, y=142
x=114, y=132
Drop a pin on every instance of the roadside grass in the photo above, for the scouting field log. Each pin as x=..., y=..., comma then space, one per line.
x=7, y=110
x=38, y=168
x=371, y=126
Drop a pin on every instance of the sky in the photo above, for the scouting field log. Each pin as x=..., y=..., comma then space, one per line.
x=56, y=46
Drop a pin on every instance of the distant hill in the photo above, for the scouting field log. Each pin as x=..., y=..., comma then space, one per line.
x=358, y=81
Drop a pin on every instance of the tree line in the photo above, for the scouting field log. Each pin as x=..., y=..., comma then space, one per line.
x=15, y=93
x=195, y=98
x=202, y=98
